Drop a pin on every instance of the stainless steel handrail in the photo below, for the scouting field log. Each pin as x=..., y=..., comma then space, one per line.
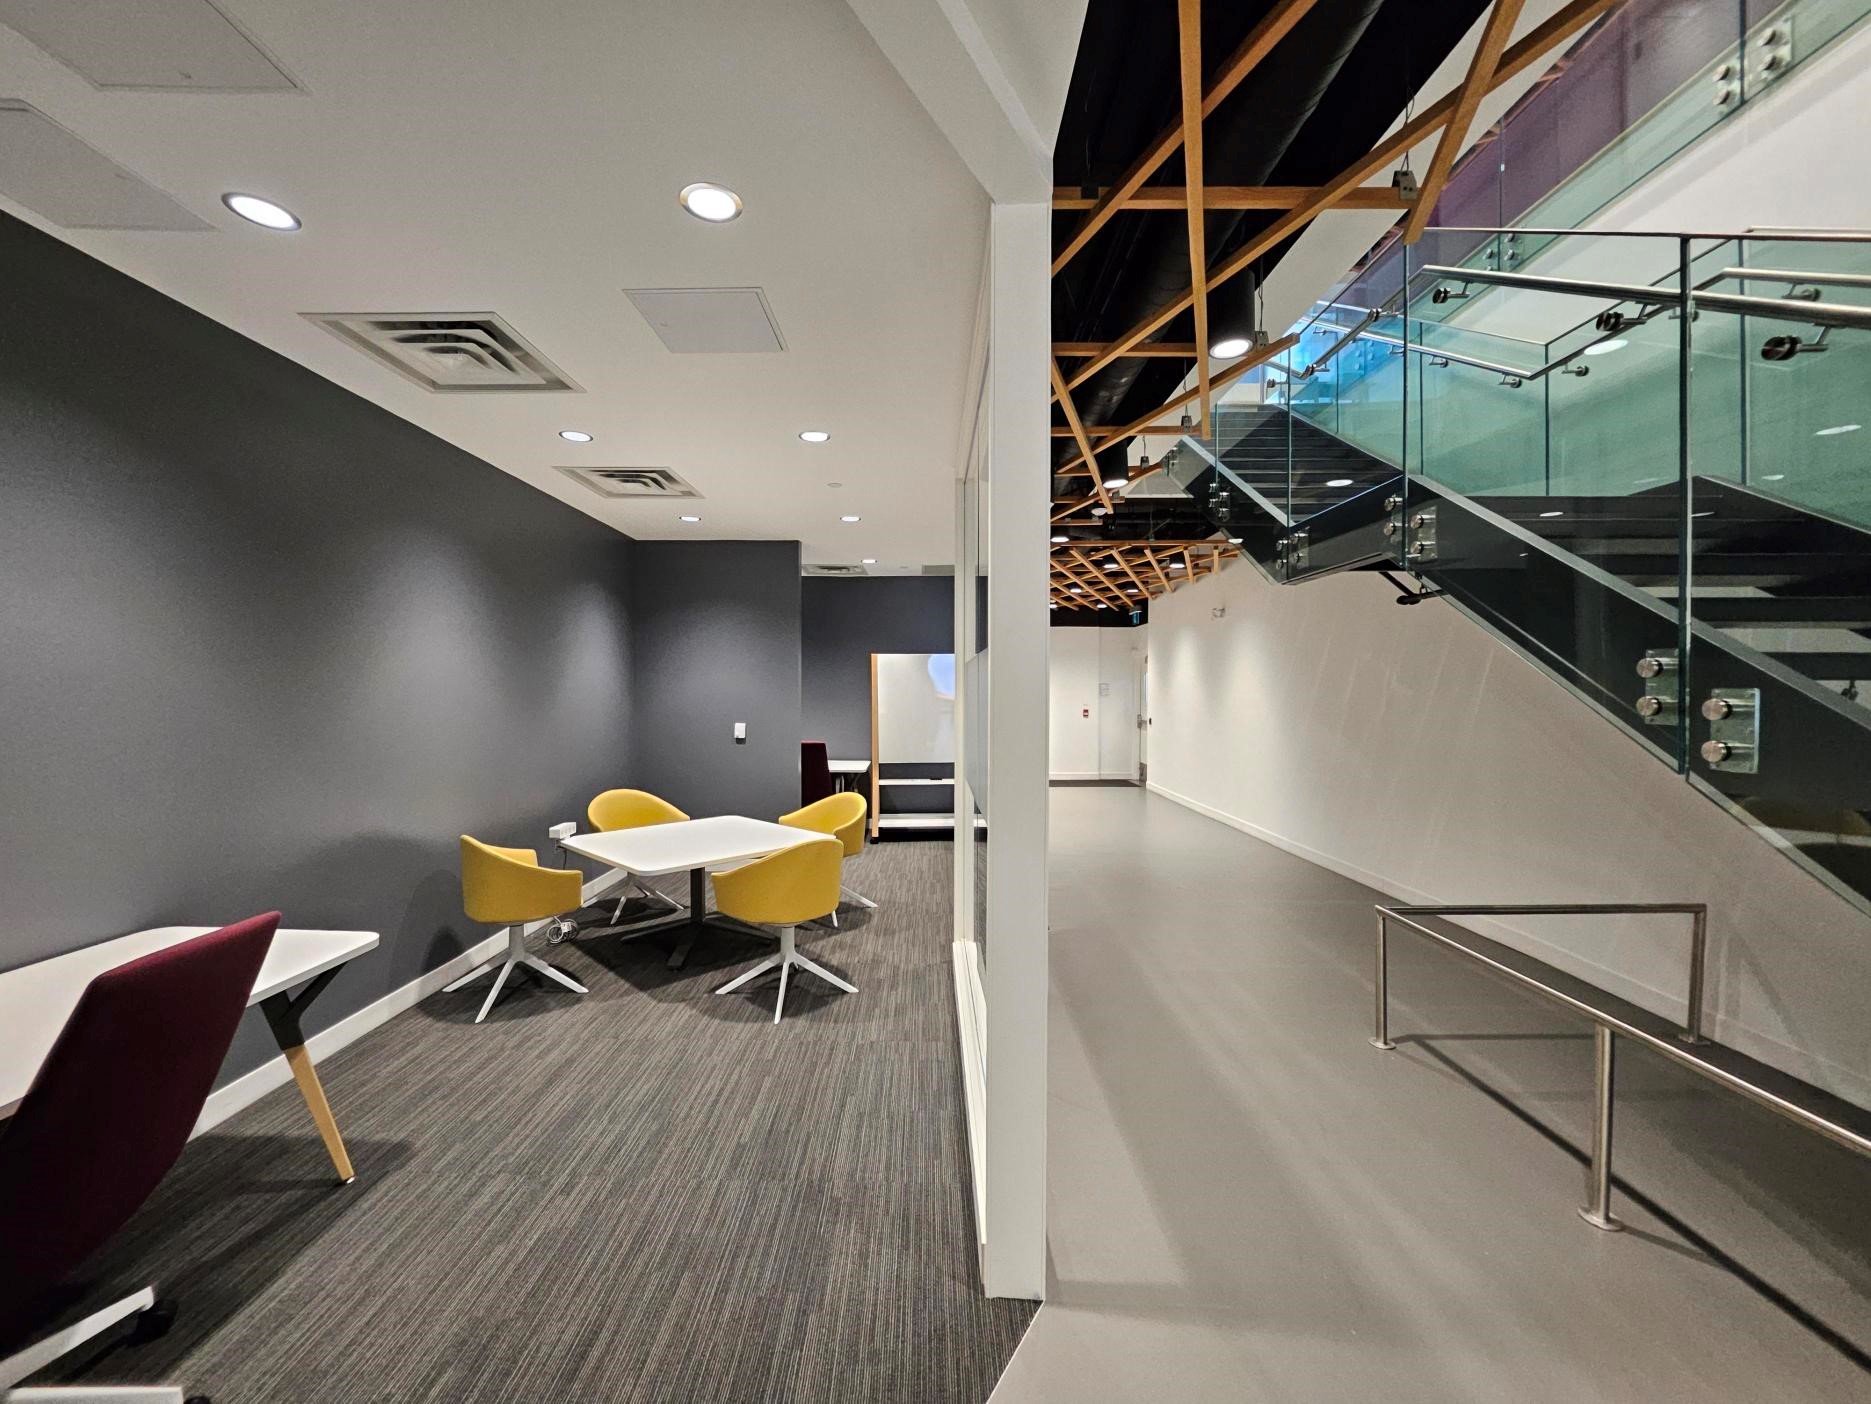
x=1371, y=316
x=1818, y=314
x=1424, y=350
x=1796, y=278
x=1755, y=234
x=1683, y=1047
x=1535, y=282
x=1789, y=309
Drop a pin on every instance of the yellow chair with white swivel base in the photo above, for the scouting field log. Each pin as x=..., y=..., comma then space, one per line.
x=507, y=887
x=633, y=809
x=787, y=888
x=842, y=816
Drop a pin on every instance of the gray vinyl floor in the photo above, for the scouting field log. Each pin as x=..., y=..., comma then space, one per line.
x=1250, y=1203
x=646, y=1194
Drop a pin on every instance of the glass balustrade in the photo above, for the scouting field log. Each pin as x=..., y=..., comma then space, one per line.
x=1573, y=451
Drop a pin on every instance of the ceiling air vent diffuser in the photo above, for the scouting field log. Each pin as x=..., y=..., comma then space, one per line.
x=448, y=352
x=632, y=482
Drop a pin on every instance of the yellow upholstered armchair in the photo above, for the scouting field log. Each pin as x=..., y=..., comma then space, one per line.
x=507, y=887
x=630, y=809
x=633, y=809
x=842, y=816
x=795, y=885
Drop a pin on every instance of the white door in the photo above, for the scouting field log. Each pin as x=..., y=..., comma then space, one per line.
x=1118, y=655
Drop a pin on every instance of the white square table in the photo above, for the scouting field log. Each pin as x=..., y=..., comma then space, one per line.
x=37, y=999
x=692, y=846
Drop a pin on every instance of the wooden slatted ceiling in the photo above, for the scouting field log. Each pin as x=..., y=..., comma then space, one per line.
x=1494, y=63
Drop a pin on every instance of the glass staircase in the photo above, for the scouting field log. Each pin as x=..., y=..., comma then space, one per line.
x=1644, y=461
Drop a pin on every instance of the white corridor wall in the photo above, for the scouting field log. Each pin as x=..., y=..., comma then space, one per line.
x=1409, y=749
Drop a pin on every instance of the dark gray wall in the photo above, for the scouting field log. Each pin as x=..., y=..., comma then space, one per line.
x=845, y=622
x=263, y=644
x=716, y=627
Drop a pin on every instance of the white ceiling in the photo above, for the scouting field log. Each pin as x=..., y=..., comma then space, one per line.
x=477, y=155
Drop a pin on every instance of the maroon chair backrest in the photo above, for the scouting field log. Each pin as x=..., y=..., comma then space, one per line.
x=114, y=1102
x=815, y=773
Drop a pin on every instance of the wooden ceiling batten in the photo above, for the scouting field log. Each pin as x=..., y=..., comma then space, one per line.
x=1258, y=44
x=1477, y=85
x=1237, y=197
x=1189, y=23
x=1258, y=356
x=1517, y=58
x=1090, y=457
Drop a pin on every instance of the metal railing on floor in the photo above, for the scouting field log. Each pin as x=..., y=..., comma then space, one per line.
x=1613, y=1018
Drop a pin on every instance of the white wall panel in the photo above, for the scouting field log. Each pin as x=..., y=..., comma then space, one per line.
x=1409, y=749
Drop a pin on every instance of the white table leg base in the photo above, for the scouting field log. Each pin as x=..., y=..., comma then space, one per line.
x=650, y=893
x=787, y=958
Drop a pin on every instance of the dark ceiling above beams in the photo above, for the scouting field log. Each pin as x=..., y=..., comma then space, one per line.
x=1324, y=95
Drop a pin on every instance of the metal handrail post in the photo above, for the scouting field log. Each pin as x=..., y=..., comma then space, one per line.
x=1604, y=1058
x=1698, y=972
x=1380, y=1038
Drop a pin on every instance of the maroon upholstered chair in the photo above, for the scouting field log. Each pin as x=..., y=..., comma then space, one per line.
x=815, y=773
x=107, y=1115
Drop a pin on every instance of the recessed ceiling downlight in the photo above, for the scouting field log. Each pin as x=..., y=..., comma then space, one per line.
x=1338, y=482
x=1228, y=348
x=575, y=436
x=1605, y=348
x=868, y=560
x=1060, y=540
x=264, y=213
x=814, y=436
x=686, y=518
x=715, y=203
x=1837, y=429
x=1116, y=482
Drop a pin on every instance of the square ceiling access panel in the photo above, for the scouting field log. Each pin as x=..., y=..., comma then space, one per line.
x=182, y=45
x=76, y=186
x=709, y=320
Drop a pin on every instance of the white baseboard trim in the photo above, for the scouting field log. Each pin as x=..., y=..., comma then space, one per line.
x=248, y=1088
x=971, y=1027
x=1834, y=1077
x=1383, y=884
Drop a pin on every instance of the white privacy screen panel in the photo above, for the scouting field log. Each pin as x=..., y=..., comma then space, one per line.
x=915, y=708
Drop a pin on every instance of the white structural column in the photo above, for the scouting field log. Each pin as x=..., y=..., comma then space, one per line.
x=1019, y=504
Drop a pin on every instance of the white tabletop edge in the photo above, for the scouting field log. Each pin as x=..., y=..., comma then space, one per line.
x=296, y=955
x=760, y=837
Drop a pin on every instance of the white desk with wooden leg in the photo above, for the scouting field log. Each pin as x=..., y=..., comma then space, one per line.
x=37, y=999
